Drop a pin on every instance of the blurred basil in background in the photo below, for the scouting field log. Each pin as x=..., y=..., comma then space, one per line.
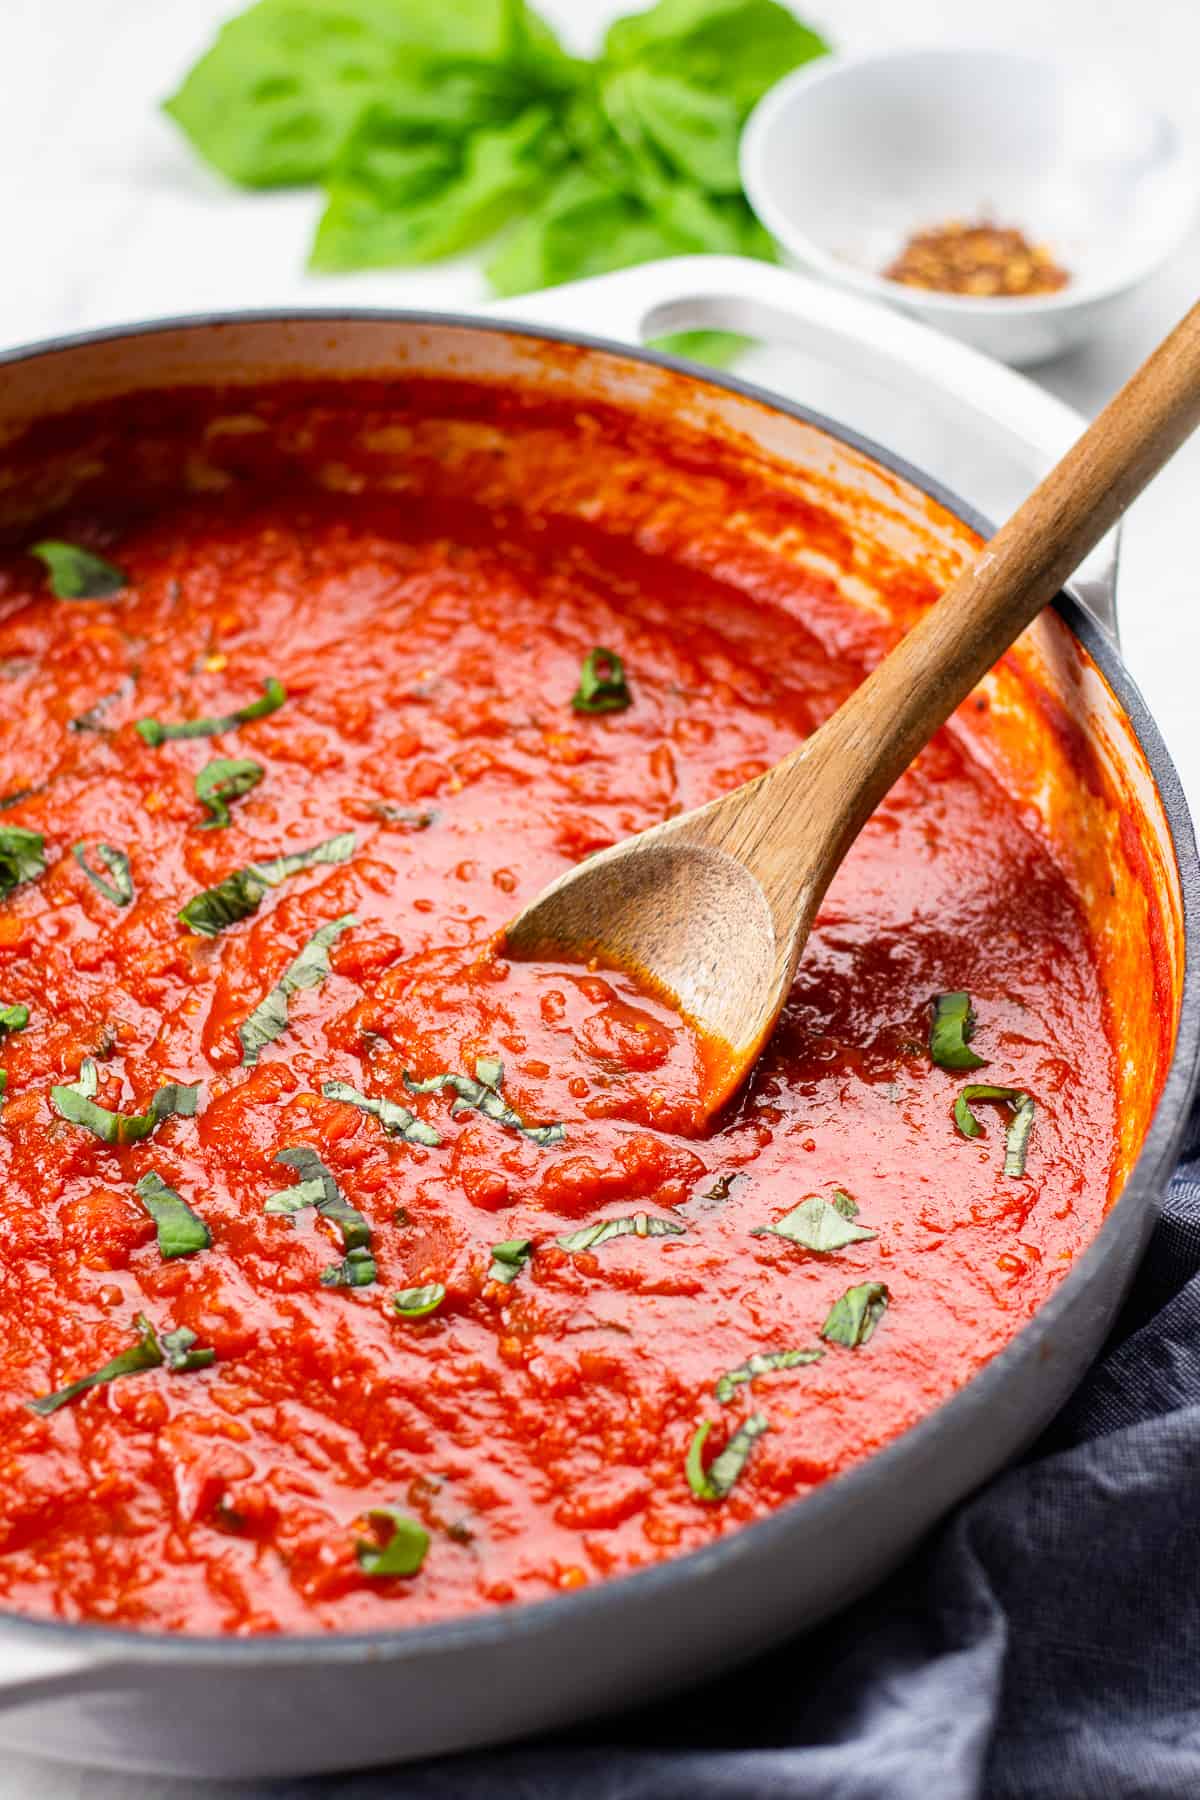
x=434, y=125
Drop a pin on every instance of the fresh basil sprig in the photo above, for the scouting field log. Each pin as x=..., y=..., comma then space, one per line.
x=853, y=1318
x=147, y=1352
x=763, y=1362
x=13, y=1018
x=643, y=1225
x=120, y=889
x=155, y=732
x=950, y=1031
x=401, y=1553
x=241, y=893
x=397, y=1120
x=1016, y=1142
x=224, y=779
x=483, y=1095
x=602, y=684
x=75, y=1101
x=820, y=1225
x=179, y=1230
x=269, y=1019
x=21, y=857
x=715, y=1482
x=77, y=574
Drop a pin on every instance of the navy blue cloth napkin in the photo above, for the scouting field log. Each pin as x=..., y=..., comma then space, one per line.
x=1045, y=1642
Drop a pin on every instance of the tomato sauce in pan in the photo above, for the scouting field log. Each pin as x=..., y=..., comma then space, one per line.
x=537, y=1428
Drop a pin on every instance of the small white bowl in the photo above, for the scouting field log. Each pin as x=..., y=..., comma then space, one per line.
x=845, y=159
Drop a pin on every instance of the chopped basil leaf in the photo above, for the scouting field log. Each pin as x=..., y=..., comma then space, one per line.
x=21, y=857
x=318, y=1188
x=819, y=1225
x=396, y=1120
x=402, y=1553
x=643, y=1225
x=721, y=1186
x=419, y=819
x=92, y=719
x=357, y=1270
x=77, y=574
x=241, y=893
x=416, y=1303
x=149, y=1352
x=75, y=1102
x=178, y=1353
x=180, y=1231
x=1017, y=1138
x=483, y=1094
x=120, y=889
x=763, y=1362
x=715, y=1482
x=154, y=732
x=952, y=1027
x=602, y=684
x=509, y=1258
x=144, y=1354
x=269, y=1019
x=222, y=780
x=13, y=1018
x=853, y=1318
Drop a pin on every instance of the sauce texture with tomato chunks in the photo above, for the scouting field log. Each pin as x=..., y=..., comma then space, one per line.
x=526, y=1421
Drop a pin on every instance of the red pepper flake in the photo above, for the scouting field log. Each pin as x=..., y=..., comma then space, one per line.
x=982, y=260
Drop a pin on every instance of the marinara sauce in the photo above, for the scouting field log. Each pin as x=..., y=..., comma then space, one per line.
x=533, y=1422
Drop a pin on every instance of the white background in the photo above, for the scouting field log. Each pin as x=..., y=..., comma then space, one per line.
x=107, y=217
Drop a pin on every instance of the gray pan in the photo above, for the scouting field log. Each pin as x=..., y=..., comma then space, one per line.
x=291, y=1705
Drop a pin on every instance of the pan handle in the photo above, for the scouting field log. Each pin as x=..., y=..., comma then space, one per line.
x=982, y=398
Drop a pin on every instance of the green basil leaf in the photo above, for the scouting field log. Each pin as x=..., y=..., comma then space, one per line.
x=178, y=1354
x=420, y=819
x=269, y=1019
x=92, y=719
x=222, y=780
x=1017, y=1136
x=418, y=1302
x=13, y=1018
x=819, y=1225
x=950, y=1032
x=602, y=684
x=21, y=857
x=120, y=889
x=509, y=1258
x=154, y=732
x=734, y=47
x=241, y=893
x=77, y=574
x=763, y=1362
x=643, y=1225
x=75, y=1102
x=179, y=1230
x=483, y=1095
x=404, y=191
x=853, y=1318
x=274, y=99
x=144, y=1354
x=318, y=1188
x=357, y=1270
x=692, y=132
x=403, y=1551
x=715, y=1482
x=397, y=1120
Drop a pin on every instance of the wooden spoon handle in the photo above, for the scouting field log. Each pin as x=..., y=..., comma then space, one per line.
x=841, y=774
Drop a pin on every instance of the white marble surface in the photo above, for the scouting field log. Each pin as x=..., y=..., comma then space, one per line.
x=108, y=218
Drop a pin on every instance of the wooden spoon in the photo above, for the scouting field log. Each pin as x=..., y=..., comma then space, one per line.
x=713, y=908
